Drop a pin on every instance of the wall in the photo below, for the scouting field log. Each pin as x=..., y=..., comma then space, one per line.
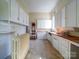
x=35, y=16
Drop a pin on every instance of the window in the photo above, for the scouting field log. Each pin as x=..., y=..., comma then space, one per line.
x=44, y=24
x=53, y=23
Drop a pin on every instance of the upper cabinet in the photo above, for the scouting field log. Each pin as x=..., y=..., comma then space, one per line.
x=63, y=17
x=27, y=19
x=58, y=20
x=11, y=11
x=71, y=14
x=8, y=10
x=14, y=11
x=4, y=9
x=77, y=13
x=23, y=17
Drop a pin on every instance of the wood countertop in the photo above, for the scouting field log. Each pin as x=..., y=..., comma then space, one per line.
x=72, y=39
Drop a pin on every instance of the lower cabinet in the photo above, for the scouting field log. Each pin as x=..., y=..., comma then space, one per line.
x=20, y=46
x=49, y=37
x=62, y=45
x=74, y=52
x=55, y=43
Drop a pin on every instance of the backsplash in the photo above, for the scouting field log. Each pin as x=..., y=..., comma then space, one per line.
x=64, y=29
x=76, y=29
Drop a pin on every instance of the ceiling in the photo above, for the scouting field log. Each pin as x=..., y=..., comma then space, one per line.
x=40, y=5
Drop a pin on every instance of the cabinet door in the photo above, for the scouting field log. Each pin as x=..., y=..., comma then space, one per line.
x=56, y=43
x=65, y=48
x=4, y=9
x=27, y=19
x=63, y=17
x=58, y=20
x=47, y=36
x=77, y=13
x=14, y=11
x=60, y=45
x=21, y=15
x=59, y=40
x=71, y=14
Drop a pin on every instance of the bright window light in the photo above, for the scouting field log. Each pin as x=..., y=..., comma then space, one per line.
x=53, y=22
x=44, y=24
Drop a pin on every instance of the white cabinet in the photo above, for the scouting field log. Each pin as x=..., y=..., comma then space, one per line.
x=23, y=17
x=58, y=20
x=4, y=9
x=77, y=13
x=61, y=44
x=14, y=11
x=63, y=17
x=27, y=19
x=10, y=27
x=41, y=35
x=65, y=48
x=71, y=14
x=8, y=10
x=48, y=36
x=55, y=41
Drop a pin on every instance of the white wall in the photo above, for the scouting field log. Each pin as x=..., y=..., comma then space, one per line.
x=37, y=15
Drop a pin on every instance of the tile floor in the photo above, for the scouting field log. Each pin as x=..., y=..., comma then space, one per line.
x=42, y=49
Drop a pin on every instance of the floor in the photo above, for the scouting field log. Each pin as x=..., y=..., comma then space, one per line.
x=42, y=49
